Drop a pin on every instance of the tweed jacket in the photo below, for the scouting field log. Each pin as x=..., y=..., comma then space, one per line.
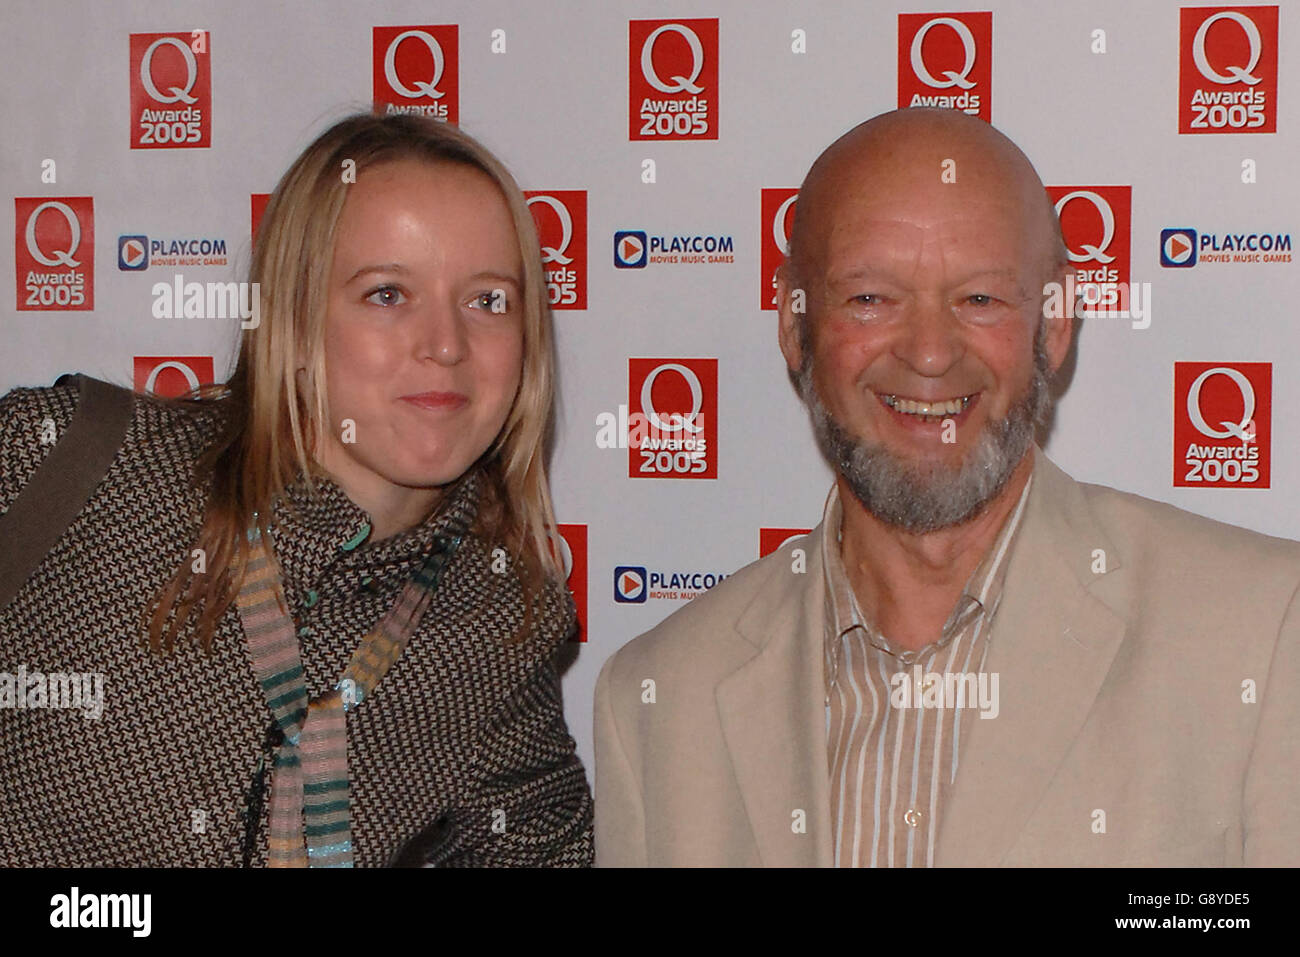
x=467, y=728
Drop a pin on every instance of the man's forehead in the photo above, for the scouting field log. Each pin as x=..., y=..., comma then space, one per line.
x=988, y=229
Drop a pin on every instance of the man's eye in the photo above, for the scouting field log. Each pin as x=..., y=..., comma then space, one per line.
x=386, y=296
x=980, y=299
x=867, y=299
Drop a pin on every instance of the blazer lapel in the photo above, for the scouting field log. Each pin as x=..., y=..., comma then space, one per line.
x=1052, y=644
x=773, y=717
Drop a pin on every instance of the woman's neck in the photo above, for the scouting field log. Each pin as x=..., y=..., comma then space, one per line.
x=392, y=508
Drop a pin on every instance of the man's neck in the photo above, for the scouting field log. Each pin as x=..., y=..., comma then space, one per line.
x=911, y=582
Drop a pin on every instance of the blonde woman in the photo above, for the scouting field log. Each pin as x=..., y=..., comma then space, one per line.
x=323, y=600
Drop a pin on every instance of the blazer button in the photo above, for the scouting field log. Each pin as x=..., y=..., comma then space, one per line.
x=356, y=539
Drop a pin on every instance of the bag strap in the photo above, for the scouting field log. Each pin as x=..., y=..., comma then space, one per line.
x=64, y=482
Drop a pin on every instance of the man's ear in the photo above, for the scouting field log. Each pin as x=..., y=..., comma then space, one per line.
x=1060, y=321
x=792, y=310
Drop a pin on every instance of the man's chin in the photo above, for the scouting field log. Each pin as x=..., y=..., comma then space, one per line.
x=930, y=490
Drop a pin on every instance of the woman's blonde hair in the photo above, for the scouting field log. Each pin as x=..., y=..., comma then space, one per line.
x=275, y=416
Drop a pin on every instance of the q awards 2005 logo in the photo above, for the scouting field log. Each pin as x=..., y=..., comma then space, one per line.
x=171, y=91
x=673, y=79
x=1096, y=225
x=946, y=59
x=171, y=376
x=777, y=216
x=673, y=421
x=416, y=70
x=771, y=539
x=561, y=219
x=1222, y=424
x=54, y=253
x=1227, y=70
x=573, y=558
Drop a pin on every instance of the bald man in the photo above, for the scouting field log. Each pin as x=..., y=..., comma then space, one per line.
x=973, y=659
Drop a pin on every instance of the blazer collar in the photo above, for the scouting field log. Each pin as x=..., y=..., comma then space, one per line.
x=1059, y=626
x=773, y=714
x=1056, y=632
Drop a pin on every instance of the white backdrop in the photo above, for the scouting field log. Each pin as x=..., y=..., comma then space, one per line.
x=548, y=85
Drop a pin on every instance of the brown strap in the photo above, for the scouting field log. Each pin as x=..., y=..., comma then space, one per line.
x=63, y=484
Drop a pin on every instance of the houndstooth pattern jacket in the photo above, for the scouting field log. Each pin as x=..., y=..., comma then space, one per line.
x=465, y=735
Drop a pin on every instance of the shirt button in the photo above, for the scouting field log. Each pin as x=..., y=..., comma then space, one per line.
x=309, y=599
x=912, y=817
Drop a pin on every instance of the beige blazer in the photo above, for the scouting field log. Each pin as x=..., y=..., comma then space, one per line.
x=1159, y=699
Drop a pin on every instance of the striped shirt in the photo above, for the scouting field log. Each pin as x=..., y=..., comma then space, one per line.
x=894, y=717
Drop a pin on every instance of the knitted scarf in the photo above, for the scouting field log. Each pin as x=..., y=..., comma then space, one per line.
x=309, y=817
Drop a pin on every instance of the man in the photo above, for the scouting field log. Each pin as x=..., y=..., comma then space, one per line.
x=1137, y=665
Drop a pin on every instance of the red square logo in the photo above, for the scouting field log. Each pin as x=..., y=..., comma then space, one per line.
x=54, y=253
x=561, y=219
x=1227, y=70
x=777, y=216
x=1223, y=424
x=673, y=79
x=257, y=206
x=673, y=418
x=171, y=91
x=172, y=376
x=771, y=539
x=417, y=70
x=573, y=545
x=946, y=59
x=1096, y=223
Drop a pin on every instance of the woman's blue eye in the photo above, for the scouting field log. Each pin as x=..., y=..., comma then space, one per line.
x=493, y=300
x=385, y=296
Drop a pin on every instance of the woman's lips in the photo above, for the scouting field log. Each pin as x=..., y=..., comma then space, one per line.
x=437, y=401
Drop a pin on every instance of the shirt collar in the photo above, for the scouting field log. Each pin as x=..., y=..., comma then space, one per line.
x=979, y=596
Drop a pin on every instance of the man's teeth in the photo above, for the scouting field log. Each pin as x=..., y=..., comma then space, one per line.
x=941, y=407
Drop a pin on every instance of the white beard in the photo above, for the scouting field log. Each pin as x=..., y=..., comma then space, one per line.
x=928, y=497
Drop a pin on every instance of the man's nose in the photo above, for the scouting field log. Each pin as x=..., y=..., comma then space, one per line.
x=931, y=342
x=441, y=334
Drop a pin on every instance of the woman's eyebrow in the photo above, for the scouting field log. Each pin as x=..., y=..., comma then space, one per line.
x=378, y=268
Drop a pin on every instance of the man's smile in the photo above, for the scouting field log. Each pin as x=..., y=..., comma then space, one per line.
x=929, y=411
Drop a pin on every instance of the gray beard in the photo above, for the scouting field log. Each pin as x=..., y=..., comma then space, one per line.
x=926, y=498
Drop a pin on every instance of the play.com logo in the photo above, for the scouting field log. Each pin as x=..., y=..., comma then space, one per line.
x=630, y=248
x=1178, y=247
x=629, y=584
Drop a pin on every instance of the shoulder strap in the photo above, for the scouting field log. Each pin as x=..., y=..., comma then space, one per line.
x=63, y=484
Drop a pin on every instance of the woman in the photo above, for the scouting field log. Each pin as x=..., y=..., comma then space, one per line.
x=323, y=599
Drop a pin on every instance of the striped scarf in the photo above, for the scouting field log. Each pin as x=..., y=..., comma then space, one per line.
x=309, y=817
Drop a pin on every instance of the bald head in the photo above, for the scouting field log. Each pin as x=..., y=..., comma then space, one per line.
x=925, y=156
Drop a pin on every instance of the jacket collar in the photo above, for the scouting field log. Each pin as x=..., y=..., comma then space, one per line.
x=1061, y=623
x=318, y=534
x=1057, y=630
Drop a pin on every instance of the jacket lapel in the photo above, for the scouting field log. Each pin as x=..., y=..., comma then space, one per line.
x=773, y=717
x=1052, y=644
